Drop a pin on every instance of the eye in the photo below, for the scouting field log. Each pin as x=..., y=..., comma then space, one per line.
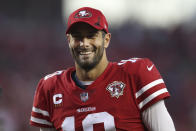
x=77, y=36
x=91, y=35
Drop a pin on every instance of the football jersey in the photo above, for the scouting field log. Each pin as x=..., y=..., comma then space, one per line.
x=113, y=102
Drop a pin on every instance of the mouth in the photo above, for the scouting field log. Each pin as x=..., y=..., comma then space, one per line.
x=85, y=52
x=85, y=55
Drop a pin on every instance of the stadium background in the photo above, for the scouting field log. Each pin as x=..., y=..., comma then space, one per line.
x=33, y=44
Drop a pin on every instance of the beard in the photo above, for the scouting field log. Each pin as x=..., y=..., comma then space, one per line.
x=88, y=62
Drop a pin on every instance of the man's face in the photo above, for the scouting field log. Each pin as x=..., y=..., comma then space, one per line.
x=86, y=45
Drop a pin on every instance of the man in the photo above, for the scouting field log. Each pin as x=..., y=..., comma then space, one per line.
x=96, y=94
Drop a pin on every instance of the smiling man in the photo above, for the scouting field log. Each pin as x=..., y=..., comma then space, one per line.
x=96, y=94
x=87, y=45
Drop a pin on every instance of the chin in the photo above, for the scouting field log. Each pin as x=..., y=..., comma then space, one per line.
x=87, y=64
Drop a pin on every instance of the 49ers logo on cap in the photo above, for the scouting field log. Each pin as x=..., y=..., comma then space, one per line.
x=83, y=14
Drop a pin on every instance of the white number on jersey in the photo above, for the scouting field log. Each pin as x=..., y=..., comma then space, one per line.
x=89, y=120
x=133, y=60
x=53, y=74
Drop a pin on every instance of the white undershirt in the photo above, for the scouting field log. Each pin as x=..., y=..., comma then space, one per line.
x=155, y=118
x=86, y=83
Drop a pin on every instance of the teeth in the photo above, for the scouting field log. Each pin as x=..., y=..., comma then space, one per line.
x=85, y=53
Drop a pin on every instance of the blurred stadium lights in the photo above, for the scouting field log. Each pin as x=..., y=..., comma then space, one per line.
x=151, y=13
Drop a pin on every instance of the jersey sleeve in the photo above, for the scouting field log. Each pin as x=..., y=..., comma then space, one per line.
x=150, y=87
x=40, y=115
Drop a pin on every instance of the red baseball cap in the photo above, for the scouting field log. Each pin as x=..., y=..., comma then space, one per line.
x=88, y=15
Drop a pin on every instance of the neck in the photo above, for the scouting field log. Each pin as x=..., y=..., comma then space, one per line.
x=92, y=74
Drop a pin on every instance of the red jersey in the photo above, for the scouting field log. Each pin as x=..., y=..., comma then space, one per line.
x=114, y=101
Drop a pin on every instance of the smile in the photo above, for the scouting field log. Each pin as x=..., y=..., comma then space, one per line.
x=85, y=53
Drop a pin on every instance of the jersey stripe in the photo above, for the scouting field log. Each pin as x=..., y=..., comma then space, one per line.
x=147, y=87
x=40, y=121
x=37, y=110
x=151, y=97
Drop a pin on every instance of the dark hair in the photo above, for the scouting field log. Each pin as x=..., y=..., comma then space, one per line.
x=103, y=33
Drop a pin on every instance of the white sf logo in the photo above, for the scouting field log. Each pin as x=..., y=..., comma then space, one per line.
x=57, y=99
x=83, y=13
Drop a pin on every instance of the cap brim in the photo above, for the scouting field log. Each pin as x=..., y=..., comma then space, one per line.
x=87, y=22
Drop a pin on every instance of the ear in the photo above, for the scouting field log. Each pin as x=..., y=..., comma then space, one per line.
x=107, y=40
x=68, y=38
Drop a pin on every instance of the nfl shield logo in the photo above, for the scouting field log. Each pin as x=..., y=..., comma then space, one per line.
x=84, y=96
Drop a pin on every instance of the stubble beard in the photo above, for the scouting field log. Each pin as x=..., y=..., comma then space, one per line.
x=89, y=64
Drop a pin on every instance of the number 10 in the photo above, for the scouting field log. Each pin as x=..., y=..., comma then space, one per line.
x=89, y=120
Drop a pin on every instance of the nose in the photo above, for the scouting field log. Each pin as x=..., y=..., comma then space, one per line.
x=84, y=42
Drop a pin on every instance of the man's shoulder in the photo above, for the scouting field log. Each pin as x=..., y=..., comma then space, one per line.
x=133, y=64
x=53, y=76
x=50, y=80
x=58, y=74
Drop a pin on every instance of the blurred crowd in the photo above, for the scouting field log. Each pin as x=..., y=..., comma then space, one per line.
x=29, y=50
